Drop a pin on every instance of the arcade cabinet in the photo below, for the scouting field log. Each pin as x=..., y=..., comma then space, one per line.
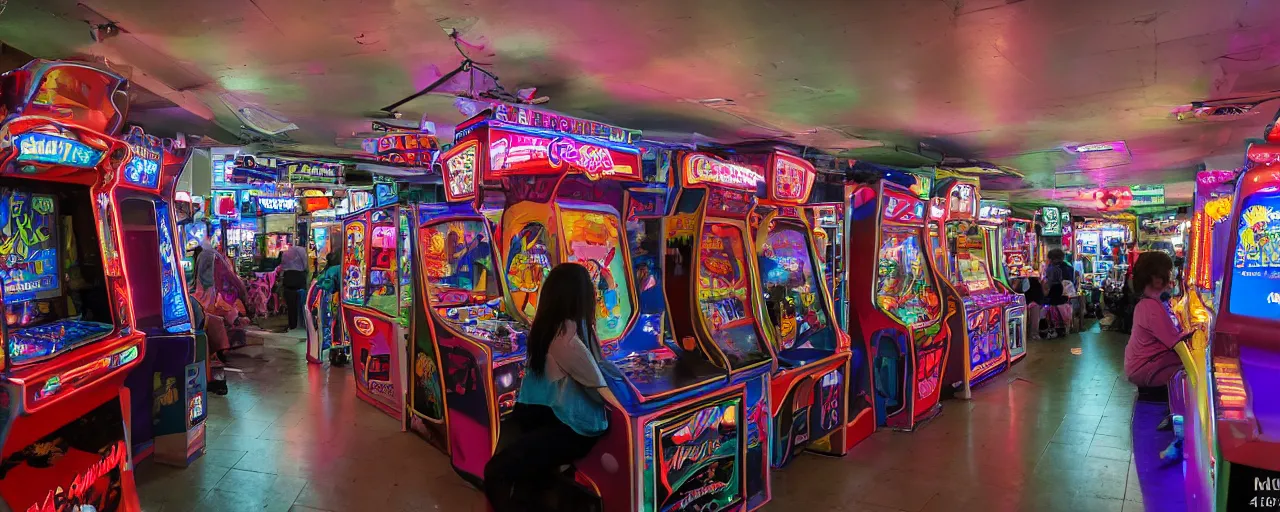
x=812, y=353
x=1243, y=348
x=374, y=306
x=895, y=304
x=713, y=295
x=71, y=279
x=1189, y=392
x=992, y=218
x=168, y=388
x=979, y=347
x=466, y=351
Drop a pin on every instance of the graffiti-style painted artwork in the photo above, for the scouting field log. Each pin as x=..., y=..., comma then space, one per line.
x=986, y=350
x=353, y=262
x=81, y=466
x=528, y=265
x=1255, y=283
x=28, y=246
x=724, y=295
x=903, y=287
x=793, y=296
x=458, y=263
x=699, y=458
x=593, y=238
x=176, y=316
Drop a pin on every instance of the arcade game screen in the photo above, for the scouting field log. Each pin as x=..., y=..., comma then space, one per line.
x=903, y=288
x=593, y=241
x=724, y=294
x=528, y=264
x=969, y=249
x=383, y=294
x=1256, y=262
x=792, y=293
x=462, y=285
x=44, y=312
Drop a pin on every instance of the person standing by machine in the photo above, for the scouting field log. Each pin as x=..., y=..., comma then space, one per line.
x=293, y=279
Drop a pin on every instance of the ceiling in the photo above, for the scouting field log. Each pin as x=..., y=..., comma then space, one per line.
x=1008, y=82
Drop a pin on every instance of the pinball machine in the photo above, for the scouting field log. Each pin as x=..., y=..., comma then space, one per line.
x=897, y=304
x=979, y=347
x=374, y=298
x=808, y=387
x=74, y=274
x=992, y=219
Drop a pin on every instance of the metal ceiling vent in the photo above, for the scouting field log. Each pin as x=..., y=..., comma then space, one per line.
x=256, y=118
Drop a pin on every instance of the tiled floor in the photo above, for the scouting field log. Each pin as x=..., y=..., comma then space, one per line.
x=1055, y=433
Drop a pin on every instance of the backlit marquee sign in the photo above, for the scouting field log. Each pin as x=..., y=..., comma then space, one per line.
x=1052, y=219
x=993, y=211
x=701, y=168
x=359, y=200
x=408, y=149
x=460, y=171
x=962, y=199
x=143, y=168
x=224, y=204
x=269, y=205
x=561, y=123
x=899, y=207
x=791, y=178
x=313, y=172
x=44, y=148
x=510, y=153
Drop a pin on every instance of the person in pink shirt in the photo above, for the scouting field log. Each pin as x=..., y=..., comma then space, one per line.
x=1149, y=358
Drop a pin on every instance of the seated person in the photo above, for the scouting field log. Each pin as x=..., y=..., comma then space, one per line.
x=1149, y=358
x=559, y=413
x=1035, y=302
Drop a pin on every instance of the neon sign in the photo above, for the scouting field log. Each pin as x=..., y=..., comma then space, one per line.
x=277, y=204
x=52, y=149
x=700, y=168
x=313, y=172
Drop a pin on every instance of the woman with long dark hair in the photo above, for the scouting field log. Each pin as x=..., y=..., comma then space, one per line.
x=559, y=411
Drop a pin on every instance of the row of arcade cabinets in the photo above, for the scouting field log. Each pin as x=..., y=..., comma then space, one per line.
x=100, y=357
x=714, y=327
x=1228, y=392
x=934, y=320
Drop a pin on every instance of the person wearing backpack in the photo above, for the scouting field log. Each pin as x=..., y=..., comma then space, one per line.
x=1058, y=275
